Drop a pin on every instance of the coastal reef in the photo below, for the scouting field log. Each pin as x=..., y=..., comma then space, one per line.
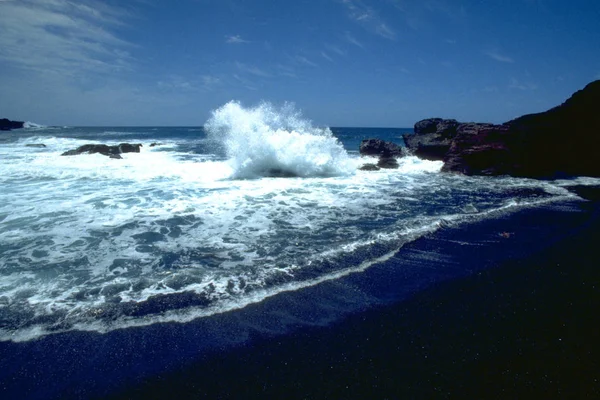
x=110, y=151
x=562, y=141
x=388, y=152
x=7, y=124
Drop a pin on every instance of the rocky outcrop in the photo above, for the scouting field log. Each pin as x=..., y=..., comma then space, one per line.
x=563, y=141
x=369, y=167
x=378, y=147
x=387, y=162
x=432, y=138
x=7, y=125
x=110, y=151
x=388, y=152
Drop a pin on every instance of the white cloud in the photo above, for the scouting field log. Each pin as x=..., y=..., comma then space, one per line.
x=253, y=70
x=352, y=40
x=60, y=36
x=285, y=70
x=515, y=84
x=326, y=56
x=235, y=39
x=335, y=49
x=177, y=83
x=368, y=18
x=495, y=55
x=305, y=61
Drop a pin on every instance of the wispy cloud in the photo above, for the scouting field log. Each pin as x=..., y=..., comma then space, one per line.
x=450, y=41
x=515, y=84
x=418, y=14
x=235, y=39
x=188, y=84
x=305, y=61
x=352, y=40
x=495, y=55
x=335, y=49
x=245, y=82
x=253, y=70
x=285, y=70
x=368, y=18
x=64, y=37
x=326, y=56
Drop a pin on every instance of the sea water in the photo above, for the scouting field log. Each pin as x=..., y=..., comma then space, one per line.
x=204, y=220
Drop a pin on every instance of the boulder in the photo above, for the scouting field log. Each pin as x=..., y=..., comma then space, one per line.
x=369, y=167
x=111, y=151
x=378, y=147
x=387, y=162
x=7, y=125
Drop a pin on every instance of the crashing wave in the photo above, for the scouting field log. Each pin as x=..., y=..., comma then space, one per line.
x=266, y=141
x=32, y=125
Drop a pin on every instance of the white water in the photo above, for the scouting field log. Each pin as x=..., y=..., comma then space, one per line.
x=265, y=141
x=83, y=237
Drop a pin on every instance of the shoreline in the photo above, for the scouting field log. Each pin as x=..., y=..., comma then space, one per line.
x=441, y=318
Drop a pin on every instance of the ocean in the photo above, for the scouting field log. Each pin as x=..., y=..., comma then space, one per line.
x=181, y=250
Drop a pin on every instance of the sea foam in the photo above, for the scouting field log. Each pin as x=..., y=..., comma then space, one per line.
x=266, y=141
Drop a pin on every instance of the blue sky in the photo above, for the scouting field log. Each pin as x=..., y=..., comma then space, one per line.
x=381, y=63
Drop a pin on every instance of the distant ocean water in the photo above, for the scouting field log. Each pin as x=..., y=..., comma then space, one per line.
x=256, y=203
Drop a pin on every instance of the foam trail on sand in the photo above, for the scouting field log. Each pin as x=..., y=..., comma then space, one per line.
x=266, y=141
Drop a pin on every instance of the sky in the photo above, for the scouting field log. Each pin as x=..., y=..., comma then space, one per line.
x=377, y=63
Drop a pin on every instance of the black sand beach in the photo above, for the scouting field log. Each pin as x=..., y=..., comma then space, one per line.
x=503, y=308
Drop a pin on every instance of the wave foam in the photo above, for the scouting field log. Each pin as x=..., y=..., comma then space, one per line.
x=33, y=125
x=265, y=141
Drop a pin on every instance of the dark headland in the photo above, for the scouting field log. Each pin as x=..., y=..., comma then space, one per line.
x=7, y=125
x=561, y=142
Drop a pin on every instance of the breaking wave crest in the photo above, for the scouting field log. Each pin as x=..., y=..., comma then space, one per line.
x=266, y=141
x=32, y=125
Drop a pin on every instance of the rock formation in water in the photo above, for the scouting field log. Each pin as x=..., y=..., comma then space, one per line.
x=378, y=147
x=388, y=152
x=7, y=125
x=110, y=151
x=562, y=141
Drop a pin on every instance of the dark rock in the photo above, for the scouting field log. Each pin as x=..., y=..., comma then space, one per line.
x=37, y=145
x=154, y=144
x=561, y=142
x=378, y=147
x=7, y=125
x=369, y=167
x=481, y=149
x=115, y=156
x=105, y=149
x=129, y=148
x=388, y=163
x=432, y=138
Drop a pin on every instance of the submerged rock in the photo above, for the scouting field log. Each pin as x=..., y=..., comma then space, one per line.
x=110, y=151
x=388, y=152
x=7, y=124
x=562, y=141
x=36, y=145
x=369, y=167
x=387, y=163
